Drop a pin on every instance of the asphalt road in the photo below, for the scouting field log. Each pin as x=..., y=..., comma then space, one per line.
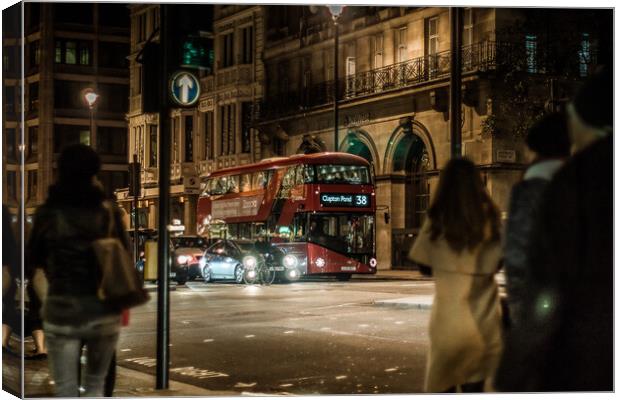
x=321, y=337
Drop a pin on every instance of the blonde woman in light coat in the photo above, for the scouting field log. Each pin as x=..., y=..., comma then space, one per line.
x=460, y=242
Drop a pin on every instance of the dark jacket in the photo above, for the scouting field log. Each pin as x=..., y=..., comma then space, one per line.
x=61, y=242
x=566, y=343
x=524, y=203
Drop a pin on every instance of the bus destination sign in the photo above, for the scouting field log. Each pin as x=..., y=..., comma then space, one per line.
x=345, y=200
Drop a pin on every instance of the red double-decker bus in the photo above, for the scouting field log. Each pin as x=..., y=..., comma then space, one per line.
x=318, y=208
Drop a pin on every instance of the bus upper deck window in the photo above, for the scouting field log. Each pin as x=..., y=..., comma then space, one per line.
x=308, y=173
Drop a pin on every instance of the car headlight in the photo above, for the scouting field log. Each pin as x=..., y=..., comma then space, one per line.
x=319, y=262
x=183, y=259
x=373, y=262
x=290, y=261
x=249, y=262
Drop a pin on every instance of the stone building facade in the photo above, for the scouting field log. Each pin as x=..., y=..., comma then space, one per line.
x=214, y=134
x=66, y=48
x=270, y=93
x=393, y=83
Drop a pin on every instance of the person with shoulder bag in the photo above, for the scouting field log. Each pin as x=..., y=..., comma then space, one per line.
x=460, y=243
x=78, y=308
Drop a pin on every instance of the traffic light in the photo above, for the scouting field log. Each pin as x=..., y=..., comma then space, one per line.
x=151, y=78
x=197, y=52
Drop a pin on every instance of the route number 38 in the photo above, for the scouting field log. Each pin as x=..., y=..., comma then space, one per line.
x=361, y=200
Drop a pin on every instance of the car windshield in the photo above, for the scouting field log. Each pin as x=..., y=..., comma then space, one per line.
x=344, y=233
x=185, y=241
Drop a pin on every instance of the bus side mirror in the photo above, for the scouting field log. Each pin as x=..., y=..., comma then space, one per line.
x=386, y=217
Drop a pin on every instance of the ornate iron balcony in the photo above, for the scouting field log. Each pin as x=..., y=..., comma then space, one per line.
x=477, y=57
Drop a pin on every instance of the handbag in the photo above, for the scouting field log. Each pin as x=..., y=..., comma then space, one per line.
x=120, y=286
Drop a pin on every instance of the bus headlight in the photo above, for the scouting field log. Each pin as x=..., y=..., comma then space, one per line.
x=183, y=259
x=290, y=261
x=373, y=262
x=319, y=262
x=249, y=262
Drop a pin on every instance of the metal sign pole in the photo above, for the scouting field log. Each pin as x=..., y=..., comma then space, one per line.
x=455, y=82
x=163, y=292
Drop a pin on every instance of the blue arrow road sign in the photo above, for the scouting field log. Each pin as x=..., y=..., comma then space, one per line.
x=185, y=88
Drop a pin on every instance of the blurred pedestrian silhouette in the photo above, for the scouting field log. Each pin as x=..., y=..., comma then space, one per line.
x=549, y=141
x=10, y=272
x=460, y=242
x=73, y=216
x=566, y=341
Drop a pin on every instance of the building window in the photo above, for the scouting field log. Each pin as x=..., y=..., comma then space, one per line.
x=141, y=27
x=32, y=184
x=432, y=42
x=227, y=129
x=35, y=54
x=468, y=27
x=227, y=50
x=153, y=146
x=584, y=55
x=113, y=55
x=531, y=53
x=189, y=138
x=246, y=123
x=247, y=45
x=33, y=96
x=10, y=141
x=114, y=97
x=401, y=45
x=376, y=51
x=72, y=52
x=33, y=141
x=11, y=183
x=208, y=134
x=111, y=141
x=9, y=99
x=65, y=135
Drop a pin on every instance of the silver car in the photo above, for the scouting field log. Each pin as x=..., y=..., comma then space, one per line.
x=224, y=261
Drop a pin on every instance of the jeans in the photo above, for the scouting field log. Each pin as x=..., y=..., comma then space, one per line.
x=64, y=347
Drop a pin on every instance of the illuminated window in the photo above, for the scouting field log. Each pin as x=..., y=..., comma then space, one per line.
x=70, y=52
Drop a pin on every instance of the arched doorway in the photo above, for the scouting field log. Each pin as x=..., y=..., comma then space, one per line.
x=410, y=159
x=359, y=143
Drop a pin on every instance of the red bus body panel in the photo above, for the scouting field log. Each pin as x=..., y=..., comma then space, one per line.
x=257, y=205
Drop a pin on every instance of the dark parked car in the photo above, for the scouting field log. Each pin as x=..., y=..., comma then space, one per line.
x=224, y=260
x=186, y=252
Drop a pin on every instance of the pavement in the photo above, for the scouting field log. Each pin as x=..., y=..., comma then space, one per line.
x=131, y=383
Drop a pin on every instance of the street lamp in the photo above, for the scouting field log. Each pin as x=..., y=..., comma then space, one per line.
x=91, y=99
x=335, y=11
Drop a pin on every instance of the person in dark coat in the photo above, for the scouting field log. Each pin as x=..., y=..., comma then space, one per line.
x=10, y=272
x=566, y=343
x=73, y=216
x=549, y=141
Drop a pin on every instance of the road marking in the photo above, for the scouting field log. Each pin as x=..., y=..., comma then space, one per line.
x=146, y=361
x=363, y=325
x=340, y=377
x=287, y=332
x=391, y=369
x=208, y=340
x=245, y=385
x=286, y=385
x=250, y=336
x=124, y=350
x=198, y=373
